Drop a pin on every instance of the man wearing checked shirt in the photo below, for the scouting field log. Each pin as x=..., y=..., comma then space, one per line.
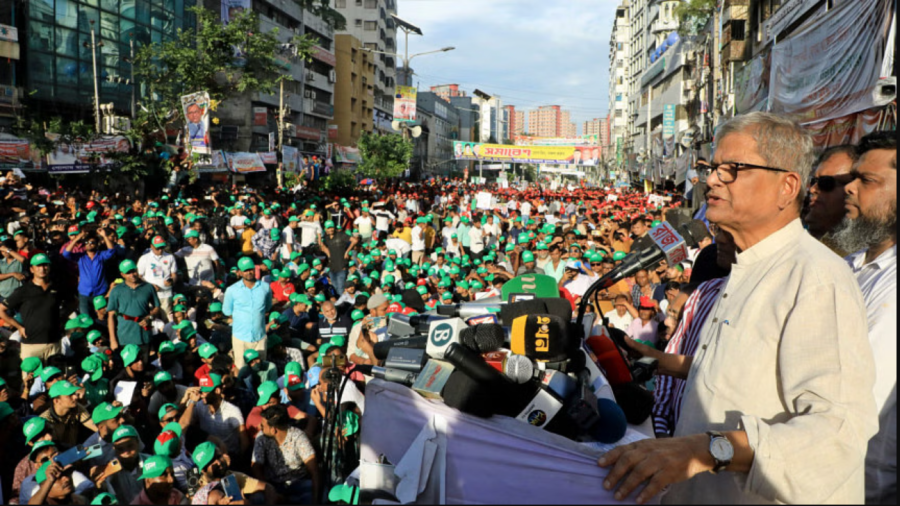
x=247, y=302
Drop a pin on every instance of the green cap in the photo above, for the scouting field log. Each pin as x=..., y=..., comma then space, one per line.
x=33, y=427
x=104, y=498
x=192, y=233
x=62, y=387
x=129, y=354
x=462, y=285
x=527, y=256
x=245, y=264
x=273, y=341
x=105, y=411
x=204, y=454
x=5, y=410
x=357, y=315
x=85, y=321
x=99, y=302
x=275, y=233
x=93, y=365
x=155, y=466
x=49, y=372
x=619, y=255
x=127, y=266
x=40, y=259
x=161, y=377
x=168, y=443
x=210, y=382
x=38, y=447
x=215, y=307
x=31, y=364
x=250, y=356
x=266, y=390
x=329, y=224
x=165, y=408
x=342, y=493
x=93, y=335
x=207, y=350
x=422, y=290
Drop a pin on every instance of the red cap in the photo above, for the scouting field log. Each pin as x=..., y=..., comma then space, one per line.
x=422, y=282
x=646, y=302
x=90, y=204
x=395, y=308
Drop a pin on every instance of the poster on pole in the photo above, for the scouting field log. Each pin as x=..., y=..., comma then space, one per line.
x=405, y=103
x=260, y=116
x=231, y=8
x=269, y=157
x=196, y=114
x=290, y=158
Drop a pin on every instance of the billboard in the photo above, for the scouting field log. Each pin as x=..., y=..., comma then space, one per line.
x=243, y=163
x=196, y=114
x=79, y=158
x=18, y=152
x=290, y=158
x=260, y=116
x=231, y=8
x=584, y=140
x=345, y=154
x=405, y=103
x=558, y=155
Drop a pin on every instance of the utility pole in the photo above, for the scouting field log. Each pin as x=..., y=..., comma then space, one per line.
x=133, y=85
x=93, y=45
x=280, y=172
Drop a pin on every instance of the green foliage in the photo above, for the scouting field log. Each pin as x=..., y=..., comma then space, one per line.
x=693, y=15
x=383, y=156
x=339, y=179
x=204, y=60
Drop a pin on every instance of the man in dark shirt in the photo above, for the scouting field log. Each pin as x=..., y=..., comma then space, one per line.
x=333, y=325
x=335, y=246
x=38, y=302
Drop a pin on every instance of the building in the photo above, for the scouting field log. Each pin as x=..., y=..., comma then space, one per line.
x=593, y=127
x=247, y=121
x=10, y=52
x=354, y=97
x=491, y=125
x=619, y=72
x=371, y=23
x=551, y=121
x=440, y=127
x=50, y=61
x=447, y=91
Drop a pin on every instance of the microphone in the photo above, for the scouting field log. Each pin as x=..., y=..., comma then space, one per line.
x=519, y=368
x=667, y=245
x=442, y=334
x=388, y=374
x=469, y=309
x=483, y=338
x=543, y=338
x=382, y=348
x=402, y=325
x=609, y=358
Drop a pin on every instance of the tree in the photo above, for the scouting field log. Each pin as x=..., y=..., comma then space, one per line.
x=383, y=156
x=205, y=60
x=693, y=15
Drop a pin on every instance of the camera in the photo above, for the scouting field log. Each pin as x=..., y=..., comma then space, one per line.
x=332, y=361
x=193, y=481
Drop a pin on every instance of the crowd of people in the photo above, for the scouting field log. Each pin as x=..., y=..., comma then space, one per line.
x=184, y=342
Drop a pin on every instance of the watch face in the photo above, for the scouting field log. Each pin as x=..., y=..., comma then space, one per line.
x=721, y=449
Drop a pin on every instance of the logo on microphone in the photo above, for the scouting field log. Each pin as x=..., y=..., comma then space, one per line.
x=542, y=336
x=537, y=418
x=441, y=334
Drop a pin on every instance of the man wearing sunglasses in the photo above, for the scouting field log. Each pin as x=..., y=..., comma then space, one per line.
x=91, y=265
x=778, y=404
x=826, y=190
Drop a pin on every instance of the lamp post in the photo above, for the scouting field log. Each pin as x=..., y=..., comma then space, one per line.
x=93, y=46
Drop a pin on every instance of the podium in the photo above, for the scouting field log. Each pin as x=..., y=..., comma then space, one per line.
x=498, y=460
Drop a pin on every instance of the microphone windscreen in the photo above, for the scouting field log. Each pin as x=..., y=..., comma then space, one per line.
x=468, y=395
x=483, y=338
x=635, y=400
x=558, y=306
x=542, y=337
x=412, y=299
x=610, y=359
x=519, y=368
x=613, y=423
x=509, y=312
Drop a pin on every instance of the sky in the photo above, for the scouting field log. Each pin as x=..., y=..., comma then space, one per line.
x=529, y=52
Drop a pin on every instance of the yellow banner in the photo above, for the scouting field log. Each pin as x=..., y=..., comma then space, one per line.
x=560, y=155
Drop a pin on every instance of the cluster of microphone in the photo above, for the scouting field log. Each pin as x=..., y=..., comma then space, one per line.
x=528, y=361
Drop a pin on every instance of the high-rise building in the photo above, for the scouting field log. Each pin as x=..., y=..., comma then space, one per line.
x=516, y=120
x=551, y=121
x=353, y=91
x=447, y=91
x=619, y=76
x=491, y=125
x=370, y=21
x=9, y=59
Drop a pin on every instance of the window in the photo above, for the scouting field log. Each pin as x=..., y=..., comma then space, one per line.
x=371, y=26
x=738, y=29
x=619, y=46
x=358, y=2
x=340, y=4
x=358, y=22
x=371, y=4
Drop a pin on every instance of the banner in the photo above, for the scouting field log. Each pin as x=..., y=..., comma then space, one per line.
x=668, y=120
x=345, y=154
x=80, y=158
x=268, y=157
x=405, y=103
x=846, y=130
x=19, y=153
x=751, y=85
x=196, y=114
x=244, y=163
x=584, y=140
x=790, y=11
x=290, y=158
x=558, y=155
x=260, y=116
x=829, y=68
x=231, y=8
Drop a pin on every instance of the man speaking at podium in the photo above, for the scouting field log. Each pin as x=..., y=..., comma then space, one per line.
x=778, y=405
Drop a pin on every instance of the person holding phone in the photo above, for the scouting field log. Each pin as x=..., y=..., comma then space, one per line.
x=158, y=477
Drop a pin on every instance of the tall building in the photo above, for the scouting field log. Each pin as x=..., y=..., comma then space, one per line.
x=619, y=76
x=491, y=124
x=447, y=91
x=516, y=120
x=10, y=52
x=353, y=91
x=370, y=21
x=592, y=127
x=440, y=127
x=551, y=121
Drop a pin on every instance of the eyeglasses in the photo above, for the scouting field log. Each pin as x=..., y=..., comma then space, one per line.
x=90, y=242
x=727, y=172
x=829, y=183
x=169, y=419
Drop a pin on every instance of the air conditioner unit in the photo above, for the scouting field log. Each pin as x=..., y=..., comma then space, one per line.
x=310, y=77
x=332, y=76
x=307, y=93
x=312, y=95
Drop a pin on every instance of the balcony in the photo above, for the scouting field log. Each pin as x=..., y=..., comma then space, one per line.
x=663, y=26
x=318, y=80
x=317, y=108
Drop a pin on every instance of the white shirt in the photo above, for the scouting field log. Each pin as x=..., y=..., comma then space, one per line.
x=878, y=282
x=224, y=424
x=476, y=239
x=199, y=263
x=446, y=232
x=156, y=270
x=288, y=237
x=383, y=219
x=418, y=238
x=309, y=230
x=364, y=225
x=237, y=222
x=619, y=322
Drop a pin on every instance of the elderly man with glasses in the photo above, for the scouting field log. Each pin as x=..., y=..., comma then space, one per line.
x=779, y=403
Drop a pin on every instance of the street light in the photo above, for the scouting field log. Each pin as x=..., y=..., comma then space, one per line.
x=93, y=47
x=406, y=58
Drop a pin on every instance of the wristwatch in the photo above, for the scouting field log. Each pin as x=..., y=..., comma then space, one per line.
x=721, y=450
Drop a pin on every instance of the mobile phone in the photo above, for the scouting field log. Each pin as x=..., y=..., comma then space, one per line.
x=113, y=467
x=70, y=456
x=232, y=488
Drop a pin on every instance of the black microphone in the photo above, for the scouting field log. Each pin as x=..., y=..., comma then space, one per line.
x=667, y=245
x=388, y=374
x=483, y=338
x=383, y=348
